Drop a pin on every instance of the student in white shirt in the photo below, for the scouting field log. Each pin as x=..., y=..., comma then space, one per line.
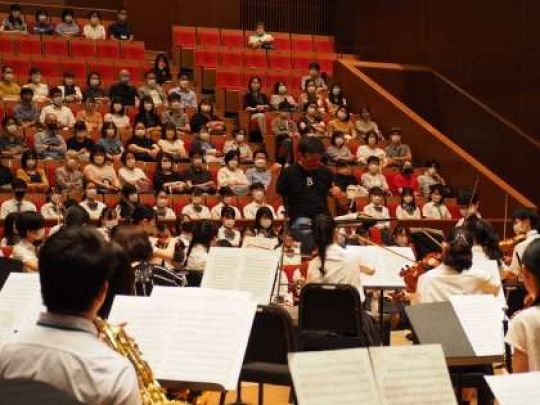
x=332, y=265
x=232, y=176
x=258, y=201
x=456, y=275
x=196, y=209
x=17, y=203
x=91, y=203
x=70, y=92
x=63, y=114
x=364, y=152
x=264, y=228
x=162, y=208
x=373, y=177
x=203, y=235
x=31, y=229
x=228, y=199
x=129, y=173
x=63, y=348
x=407, y=208
x=376, y=209
x=525, y=222
x=40, y=89
x=435, y=208
x=524, y=329
x=94, y=29
x=227, y=231
x=53, y=209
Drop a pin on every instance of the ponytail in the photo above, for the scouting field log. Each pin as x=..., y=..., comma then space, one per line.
x=458, y=255
x=323, y=236
x=531, y=262
x=484, y=235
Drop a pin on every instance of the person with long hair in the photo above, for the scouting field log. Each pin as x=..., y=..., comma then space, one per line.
x=203, y=235
x=10, y=238
x=129, y=200
x=162, y=69
x=264, y=226
x=166, y=177
x=256, y=103
x=407, y=208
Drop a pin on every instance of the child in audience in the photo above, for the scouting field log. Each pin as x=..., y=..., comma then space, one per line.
x=40, y=89
x=338, y=151
x=314, y=75
x=80, y=144
x=14, y=22
x=342, y=123
x=364, y=152
x=43, y=24
x=33, y=175
x=12, y=143
x=376, y=209
x=101, y=173
x=110, y=142
x=142, y=145
x=365, y=124
x=259, y=173
x=166, y=177
x=196, y=209
x=94, y=29
x=27, y=112
x=373, y=177
x=70, y=92
x=94, y=89
x=53, y=208
x=239, y=144
x=398, y=153
x=129, y=201
x=430, y=178
x=407, y=208
x=205, y=117
x=117, y=115
x=175, y=113
x=17, y=203
x=68, y=27
x=258, y=201
x=91, y=204
x=227, y=231
x=171, y=143
x=162, y=207
x=129, y=173
x=147, y=114
x=401, y=237
x=31, y=230
x=202, y=145
x=336, y=97
x=232, y=176
x=435, y=208
x=204, y=234
x=197, y=176
x=281, y=99
x=312, y=122
x=90, y=115
x=227, y=199
x=108, y=221
x=264, y=226
x=405, y=179
x=188, y=97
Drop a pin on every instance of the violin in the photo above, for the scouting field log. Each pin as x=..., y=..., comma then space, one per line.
x=412, y=273
x=507, y=245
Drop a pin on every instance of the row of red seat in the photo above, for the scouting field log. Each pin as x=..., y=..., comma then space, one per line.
x=13, y=44
x=237, y=79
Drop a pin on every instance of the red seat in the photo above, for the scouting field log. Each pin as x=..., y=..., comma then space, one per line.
x=106, y=69
x=279, y=60
x=231, y=58
x=184, y=37
x=282, y=42
x=50, y=67
x=323, y=44
x=229, y=79
x=132, y=50
x=108, y=49
x=7, y=44
x=20, y=64
x=82, y=48
x=77, y=67
x=296, y=79
x=55, y=46
x=255, y=59
x=301, y=61
x=29, y=45
x=232, y=38
x=179, y=202
x=136, y=69
x=327, y=62
x=279, y=76
x=302, y=43
x=208, y=37
x=206, y=57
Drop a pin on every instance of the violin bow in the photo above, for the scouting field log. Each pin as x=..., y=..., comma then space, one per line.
x=370, y=242
x=505, y=215
x=439, y=244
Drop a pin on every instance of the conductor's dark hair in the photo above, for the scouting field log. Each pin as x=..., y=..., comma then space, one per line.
x=323, y=236
x=311, y=145
x=458, y=255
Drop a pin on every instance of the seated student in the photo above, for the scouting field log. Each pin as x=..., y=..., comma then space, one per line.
x=64, y=115
x=80, y=144
x=162, y=207
x=232, y=176
x=203, y=234
x=188, y=97
x=129, y=173
x=202, y=144
x=108, y=221
x=34, y=176
x=69, y=176
x=435, y=208
x=171, y=143
x=343, y=177
x=281, y=99
x=162, y=69
x=123, y=90
x=129, y=201
x=227, y=231
x=525, y=222
x=227, y=199
x=166, y=177
x=469, y=203
x=94, y=89
x=258, y=201
x=256, y=103
x=91, y=204
x=94, y=29
x=9, y=88
x=205, y=117
x=430, y=178
x=456, y=275
x=14, y=21
x=196, y=209
x=35, y=83
x=12, y=142
x=110, y=142
x=398, y=153
x=90, y=115
x=147, y=114
x=120, y=30
x=259, y=173
x=401, y=237
x=49, y=144
x=26, y=112
x=405, y=179
x=142, y=145
x=76, y=266
x=10, y=238
x=31, y=230
x=332, y=265
x=365, y=124
x=315, y=75
x=338, y=151
x=70, y=92
x=342, y=123
x=373, y=177
x=336, y=97
x=407, y=208
x=364, y=152
x=175, y=114
x=100, y=172
x=309, y=95
x=17, y=203
x=152, y=89
x=312, y=122
x=376, y=209
x=68, y=27
x=43, y=25
x=264, y=225
x=53, y=209
x=285, y=131
x=197, y=176
x=239, y=144
x=117, y=114
x=74, y=217
x=260, y=39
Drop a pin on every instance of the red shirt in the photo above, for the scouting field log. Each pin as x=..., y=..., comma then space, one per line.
x=400, y=182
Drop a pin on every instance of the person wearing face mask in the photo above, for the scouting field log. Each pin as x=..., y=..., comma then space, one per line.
x=123, y=90
x=435, y=208
x=196, y=209
x=40, y=88
x=14, y=22
x=188, y=97
x=94, y=29
x=285, y=131
x=373, y=177
x=90, y=115
x=336, y=97
x=108, y=221
x=120, y=30
x=227, y=199
x=144, y=148
x=405, y=179
x=281, y=98
x=338, y=151
x=407, y=208
x=34, y=176
x=12, y=142
x=80, y=144
x=64, y=115
x=17, y=203
x=203, y=145
x=68, y=27
x=264, y=226
x=166, y=177
x=256, y=103
x=364, y=152
x=260, y=173
x=309, y=95
x=147, y=114
x=398, y=153
x=258, y=201
x=232, y=176
x=525, y=222
x=430, y=178
x=175, y=114
x=162, y=70
x=9, y=89
x=227, y=230
x=117, y=115
x=49, y=144
x=91, y=204
x=129, y=173
x=314, y=75
x=70, y=92
x=129, y=201
x=171, y=144
x=110, y=142
x=312, y=122
x=69, y=177
x=26, y=112
x=100, y=172
x=197, y=176
x=365, y=124
x=93, y=87
x=162, y=208
x=53, y=209
x=152, y=89
x=31, y=229
x=376, y=209
x=342, y=123
x=239, y=144
x=205, y=117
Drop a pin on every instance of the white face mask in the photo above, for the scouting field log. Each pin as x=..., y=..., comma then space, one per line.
x=140, y=133
x=260, y=163
x=228, y=223
x=233, y=164
x=239, y=138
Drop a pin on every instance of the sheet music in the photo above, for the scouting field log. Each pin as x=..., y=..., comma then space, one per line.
x=387, y=265
x=333, y=377
x=515, y=389
x=492, y=268
x=20, y=303
x=410, y=375
x=190, y=334
x=259, y=242
x=481, y=318
x=245, y=269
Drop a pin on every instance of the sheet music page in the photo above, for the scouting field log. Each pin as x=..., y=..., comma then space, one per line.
x=259, y=242
x=410, y=375
x=492, y=268
x=20, y=303
x=515, y=389
x=223, y=268
x=481, y=318
x=333, y=377
x=190, y=334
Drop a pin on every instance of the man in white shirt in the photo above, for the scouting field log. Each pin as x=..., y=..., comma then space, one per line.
x=31, y=229
x=63, y=114
x=525, y=223
x=257, y=193
x=63, y=348
x=17, y=203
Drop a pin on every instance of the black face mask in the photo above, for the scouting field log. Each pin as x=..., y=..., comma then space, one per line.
x=408, y=171
x=19, y=194
x=52, y=127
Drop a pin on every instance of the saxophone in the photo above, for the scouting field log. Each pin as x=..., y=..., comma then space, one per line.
x=152, y=393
